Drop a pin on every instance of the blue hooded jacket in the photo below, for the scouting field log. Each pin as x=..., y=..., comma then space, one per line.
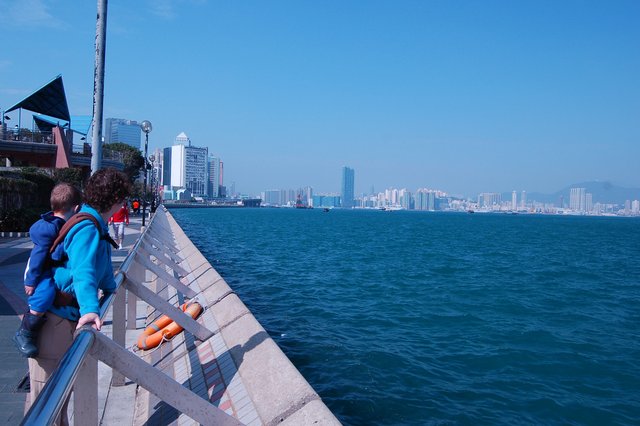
x=88, y=269
x=43, y=233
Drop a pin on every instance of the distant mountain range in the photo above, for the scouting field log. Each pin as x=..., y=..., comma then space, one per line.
x=603, y=192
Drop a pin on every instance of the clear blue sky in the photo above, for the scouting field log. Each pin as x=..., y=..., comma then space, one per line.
x=463, y=96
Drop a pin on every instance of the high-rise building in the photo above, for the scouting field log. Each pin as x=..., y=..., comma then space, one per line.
x=223, y=189
x=279, y=197
x=156, y=172
x=166, y=168
x=123, y=131
x=425, y=200
x=514, y=201
x=215, y=181
x=588, y=202
x=489, y=199
x=326, y=201
x=189, y=166
x=405, y=199
x=421, y=200
x=577, y=199
x=305, y=196
x=523, y=200
x=348, y=187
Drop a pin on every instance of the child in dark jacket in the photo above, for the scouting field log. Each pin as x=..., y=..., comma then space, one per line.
x=38, y=277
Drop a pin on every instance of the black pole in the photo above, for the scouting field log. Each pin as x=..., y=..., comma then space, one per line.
x=146, y=170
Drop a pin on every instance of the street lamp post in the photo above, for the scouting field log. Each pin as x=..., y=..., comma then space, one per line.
x=154, y=183
x=146, y=128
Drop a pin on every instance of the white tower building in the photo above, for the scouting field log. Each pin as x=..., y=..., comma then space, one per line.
x=189, y=167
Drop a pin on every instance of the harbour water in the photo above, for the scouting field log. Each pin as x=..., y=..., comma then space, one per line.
x=412, y=318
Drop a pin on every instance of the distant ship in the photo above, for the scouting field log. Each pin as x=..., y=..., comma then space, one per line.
x=300, y=204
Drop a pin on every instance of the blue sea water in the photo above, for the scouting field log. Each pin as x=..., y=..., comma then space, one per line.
x=412, y=318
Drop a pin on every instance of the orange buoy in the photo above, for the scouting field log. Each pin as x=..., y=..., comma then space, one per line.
x=164, y=328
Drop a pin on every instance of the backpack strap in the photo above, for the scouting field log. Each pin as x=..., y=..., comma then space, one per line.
x=75, y=219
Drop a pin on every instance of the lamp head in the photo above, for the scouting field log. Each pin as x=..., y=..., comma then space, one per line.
x=146, y=126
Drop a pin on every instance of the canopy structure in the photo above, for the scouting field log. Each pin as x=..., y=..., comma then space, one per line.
x=79, y=123
x=49, y=100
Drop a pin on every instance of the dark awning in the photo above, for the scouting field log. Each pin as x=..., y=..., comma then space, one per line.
x=49, y=100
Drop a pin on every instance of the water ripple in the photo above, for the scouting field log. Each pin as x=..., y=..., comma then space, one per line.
x=442, y=319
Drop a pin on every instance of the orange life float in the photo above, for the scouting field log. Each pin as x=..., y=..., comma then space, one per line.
x=164, y=328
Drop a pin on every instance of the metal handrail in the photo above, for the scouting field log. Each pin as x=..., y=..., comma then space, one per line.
x=47, y=406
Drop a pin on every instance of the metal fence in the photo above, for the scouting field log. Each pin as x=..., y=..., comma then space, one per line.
x=26, y=135
x=84, y=150
x=78, y=369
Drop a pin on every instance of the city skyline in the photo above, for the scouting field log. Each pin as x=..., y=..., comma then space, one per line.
x=573, y=198
x=467, y=96
x=579, y=201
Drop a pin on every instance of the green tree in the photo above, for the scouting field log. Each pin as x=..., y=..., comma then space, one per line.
x=73, y=175
x=132, y=158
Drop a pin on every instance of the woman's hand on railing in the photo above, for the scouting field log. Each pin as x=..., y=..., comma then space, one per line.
x=91, y=318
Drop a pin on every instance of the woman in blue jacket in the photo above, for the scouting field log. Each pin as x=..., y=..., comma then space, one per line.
x=87, y=270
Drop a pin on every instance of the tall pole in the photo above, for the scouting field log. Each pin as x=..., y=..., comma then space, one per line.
x=146, y=128
x=98, y=86
x=146, y=171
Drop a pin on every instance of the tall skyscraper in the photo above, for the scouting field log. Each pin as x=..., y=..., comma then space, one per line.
x=123, y=131
x=489, y=200
x=189, y=166
x=523, y=200
x=348, y=184
x=215, y=181
x=577, y=199
x=405, y=199
x=166, y=167
x=425, y=199
x=156, y=172
x=514, y=201
x=588, y=202
x=421, y=200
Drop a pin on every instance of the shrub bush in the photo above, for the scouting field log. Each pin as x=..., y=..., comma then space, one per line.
x=24, y=195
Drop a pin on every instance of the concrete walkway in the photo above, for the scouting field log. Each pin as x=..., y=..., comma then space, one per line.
x=14, y=253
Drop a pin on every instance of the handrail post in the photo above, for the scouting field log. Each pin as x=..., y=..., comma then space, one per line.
x=158, y=383
x=162, y=256
x=132, y=311
x=119, y=333
x=183, y=319
x=50, y=401
x=85, y=395
x=164, y=275
x=161, y=241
